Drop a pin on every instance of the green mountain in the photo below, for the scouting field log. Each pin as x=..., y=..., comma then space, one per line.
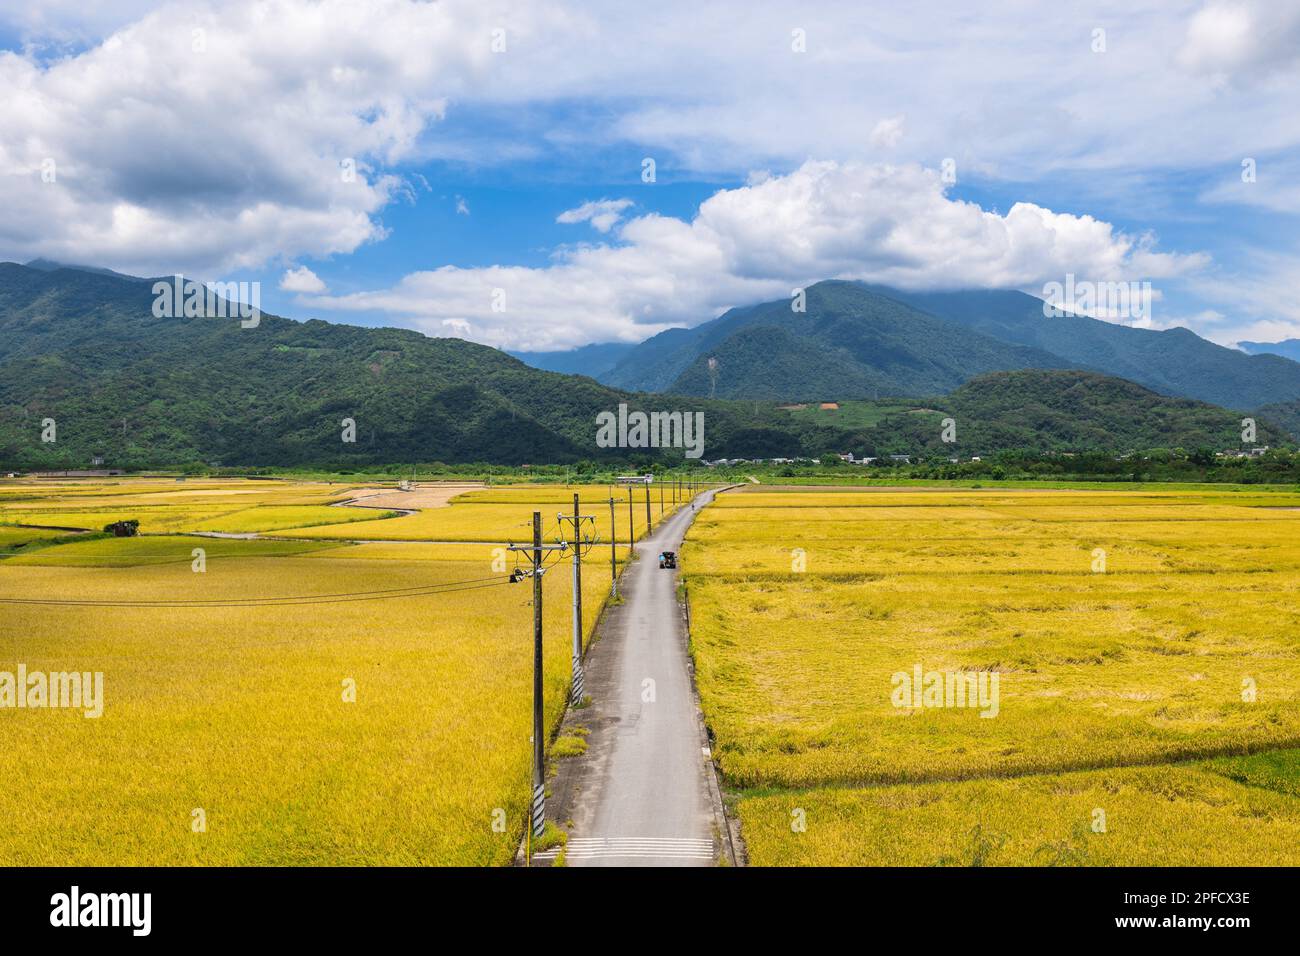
x=1174, y=361
x=768, y=362
x=1059, y=411
x=1285, y=415
x=849, y=342
x=83, y=348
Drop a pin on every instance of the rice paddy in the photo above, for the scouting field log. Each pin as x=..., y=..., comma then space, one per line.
x=242, y=728
x=1136, y=638
x=1147, y=697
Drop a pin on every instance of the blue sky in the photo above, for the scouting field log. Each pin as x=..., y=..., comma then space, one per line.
x=1105, y=141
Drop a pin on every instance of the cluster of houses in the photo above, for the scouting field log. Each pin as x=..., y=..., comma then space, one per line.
x=848, y=458
x=731, y=462
x=1238, y=453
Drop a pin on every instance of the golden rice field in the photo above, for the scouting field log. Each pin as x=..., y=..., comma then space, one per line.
x=1120, y=684
x=240, y=711
x=170, y=506
x=317, y=510
x=505, y=514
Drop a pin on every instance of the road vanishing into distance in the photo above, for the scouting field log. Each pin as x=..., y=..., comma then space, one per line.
x=644, y=793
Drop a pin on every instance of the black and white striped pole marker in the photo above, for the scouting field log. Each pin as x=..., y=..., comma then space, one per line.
x=539, y=810
x=578, y=690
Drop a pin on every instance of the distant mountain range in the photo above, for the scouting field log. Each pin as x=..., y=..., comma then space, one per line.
x=859, y=341
x=82, y=347
x=847, y=343
x=1287, y=348
x=1174, y=361
x=594, y=360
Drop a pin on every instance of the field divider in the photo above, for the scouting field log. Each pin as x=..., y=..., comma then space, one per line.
x=1177, y=756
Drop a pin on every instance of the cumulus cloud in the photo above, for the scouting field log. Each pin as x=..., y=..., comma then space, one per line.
x=302, y=279
x=888, y=133
x=211, y=138
x=601, y=213
x=890, y=224
x=217, y=136
x=1242, y=38
x=233, y=154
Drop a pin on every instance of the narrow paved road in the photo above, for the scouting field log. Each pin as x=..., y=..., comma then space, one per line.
x=641, y=795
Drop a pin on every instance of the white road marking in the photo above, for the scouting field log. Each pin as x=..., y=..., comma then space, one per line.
x=601, y=848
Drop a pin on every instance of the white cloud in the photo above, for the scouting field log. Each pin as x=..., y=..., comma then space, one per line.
x=888, y=224
x=1272, y=182
x=888, y=133
x=68, y=23
x=152, y=141
x=302, y=280
x=214, y=137
x=1262, y=284
x=601, y=213
x=1242, y=38
x=462, y=207
x=171, y=159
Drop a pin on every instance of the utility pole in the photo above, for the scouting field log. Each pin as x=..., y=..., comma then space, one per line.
x=576, y=688
x=538, y=808
x=613, y=549
x=647, y=507
x=661, y=499
x=539, y=757
x=631, y=524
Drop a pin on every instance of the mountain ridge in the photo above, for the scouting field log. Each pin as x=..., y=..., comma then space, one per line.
x=1172, y=361
x=1175, y=362
x=897, y=350
x=83, y=348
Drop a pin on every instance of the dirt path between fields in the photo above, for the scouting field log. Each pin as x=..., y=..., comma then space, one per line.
x=419, y=498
